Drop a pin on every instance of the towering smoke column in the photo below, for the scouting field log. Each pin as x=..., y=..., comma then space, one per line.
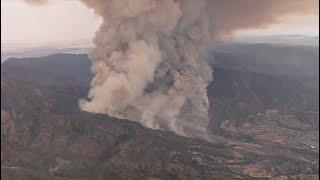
x=148, y=63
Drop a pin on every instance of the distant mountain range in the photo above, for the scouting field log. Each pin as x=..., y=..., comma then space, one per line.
x=273, y=59
x=293, y=39
x=28, y=50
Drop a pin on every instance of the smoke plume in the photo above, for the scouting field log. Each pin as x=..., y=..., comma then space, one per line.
x=148, y=60
x=148, y=63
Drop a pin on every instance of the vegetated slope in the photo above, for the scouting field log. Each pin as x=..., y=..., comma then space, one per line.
x=39, y=142
x=256, y=81
x=275, y=60
x=44, y=135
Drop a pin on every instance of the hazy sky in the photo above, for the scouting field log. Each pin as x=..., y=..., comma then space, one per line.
x=70, y=21
x=61, y=21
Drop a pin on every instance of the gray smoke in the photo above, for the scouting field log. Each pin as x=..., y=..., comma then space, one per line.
x=148, y=63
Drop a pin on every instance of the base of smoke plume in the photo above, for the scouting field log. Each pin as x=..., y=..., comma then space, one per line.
x=205, y=133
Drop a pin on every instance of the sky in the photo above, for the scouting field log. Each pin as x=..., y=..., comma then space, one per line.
x=69, y=21
x=62, y=21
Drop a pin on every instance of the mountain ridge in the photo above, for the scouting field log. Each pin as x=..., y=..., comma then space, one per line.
x=259, y=127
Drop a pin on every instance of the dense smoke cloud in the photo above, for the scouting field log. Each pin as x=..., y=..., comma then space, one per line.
x=148, y=60
x=233, y=15
x=148, y=63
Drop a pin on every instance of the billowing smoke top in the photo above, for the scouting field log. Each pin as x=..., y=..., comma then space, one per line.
x=233, y=15
x=148, y=61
